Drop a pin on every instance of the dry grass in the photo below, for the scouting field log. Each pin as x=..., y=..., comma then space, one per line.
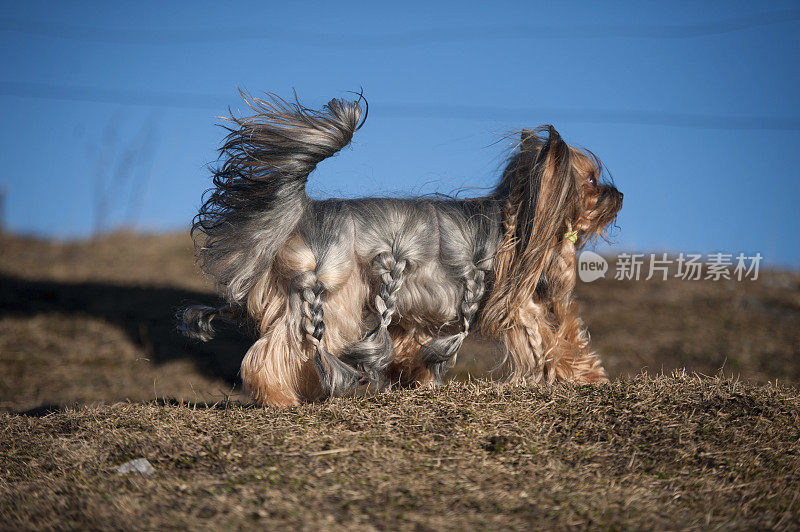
x=659, y=453
x=85, y=325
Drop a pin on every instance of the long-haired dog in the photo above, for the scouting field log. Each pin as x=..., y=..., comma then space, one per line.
x=382, y=290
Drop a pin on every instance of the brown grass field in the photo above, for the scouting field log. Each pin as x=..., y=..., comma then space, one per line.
x=92, y=374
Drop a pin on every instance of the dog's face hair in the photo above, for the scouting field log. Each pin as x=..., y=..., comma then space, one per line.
x=600, y=201
x=564, y=180
x=550, y=190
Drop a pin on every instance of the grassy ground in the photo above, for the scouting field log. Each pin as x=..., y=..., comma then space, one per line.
x=86, y=325
x=657, y=453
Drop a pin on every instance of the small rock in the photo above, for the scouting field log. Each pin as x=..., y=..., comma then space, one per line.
x=137, y=465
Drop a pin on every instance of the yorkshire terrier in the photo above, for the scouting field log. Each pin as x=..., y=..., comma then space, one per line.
x=384, y=291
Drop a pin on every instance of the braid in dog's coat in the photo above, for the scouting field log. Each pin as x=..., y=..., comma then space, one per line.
x=375, y=352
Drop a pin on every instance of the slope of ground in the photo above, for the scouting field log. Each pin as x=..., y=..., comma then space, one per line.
x=649, y=453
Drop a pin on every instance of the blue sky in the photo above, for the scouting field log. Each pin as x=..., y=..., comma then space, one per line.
x=110, y=108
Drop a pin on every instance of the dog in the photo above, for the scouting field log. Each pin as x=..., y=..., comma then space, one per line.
x=383, y=291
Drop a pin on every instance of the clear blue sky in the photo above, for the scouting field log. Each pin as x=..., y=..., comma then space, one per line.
x=109, y=108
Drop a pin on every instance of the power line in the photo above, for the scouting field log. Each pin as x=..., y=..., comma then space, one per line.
x=180, y=100
x=595, y=116
x=301, y=37
x=176, y=100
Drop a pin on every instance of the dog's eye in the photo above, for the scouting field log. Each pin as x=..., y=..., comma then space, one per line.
x=592, y=180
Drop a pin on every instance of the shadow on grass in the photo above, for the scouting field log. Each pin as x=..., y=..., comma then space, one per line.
x=46, y=409
x=146, y=314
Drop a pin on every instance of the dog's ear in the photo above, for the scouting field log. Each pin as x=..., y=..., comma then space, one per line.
x=529, y=139
x=546, y=206
x=544, y=196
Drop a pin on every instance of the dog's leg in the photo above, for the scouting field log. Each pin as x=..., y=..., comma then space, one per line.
x=526, y=341
x=277, y=369
x=336, y=377
x=582, y=368
x=290, y=363
x=374, y=353
x=545, y=347
x=440, y=354
x=314, y=279
x=576, y=362
x=276, y=374
x=407, y=370
x=572, y=359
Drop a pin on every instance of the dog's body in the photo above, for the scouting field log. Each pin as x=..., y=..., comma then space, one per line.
x=386, y=290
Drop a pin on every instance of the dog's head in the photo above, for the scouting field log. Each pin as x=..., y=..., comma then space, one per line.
x=600, y=201
x=558, y=190
x=554, y=201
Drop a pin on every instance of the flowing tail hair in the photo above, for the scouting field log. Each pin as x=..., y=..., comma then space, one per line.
x=259, y=195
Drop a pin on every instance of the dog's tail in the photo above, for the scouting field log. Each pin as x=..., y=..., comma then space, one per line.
x=196, y=321
x=259, y=188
